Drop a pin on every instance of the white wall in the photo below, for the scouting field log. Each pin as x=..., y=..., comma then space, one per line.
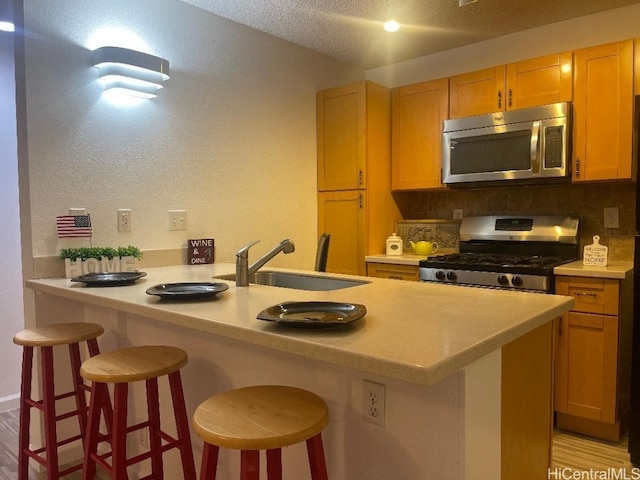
x=12, y=318
x=231, y=137
x=610, y=26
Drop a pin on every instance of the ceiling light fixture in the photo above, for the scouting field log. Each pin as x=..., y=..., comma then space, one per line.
x=462, y=3
x=6, y=17
x=390, y=24
x=129, y=71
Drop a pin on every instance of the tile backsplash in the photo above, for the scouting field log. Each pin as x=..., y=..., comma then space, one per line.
x=446, y=233
x=585, y=201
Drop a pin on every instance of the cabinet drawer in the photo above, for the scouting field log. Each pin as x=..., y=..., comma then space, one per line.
x=393, y=271
x=592, y=295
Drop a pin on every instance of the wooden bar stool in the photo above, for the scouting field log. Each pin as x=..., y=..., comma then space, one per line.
x=45, y=338
x=121, y=367
x=262, y=417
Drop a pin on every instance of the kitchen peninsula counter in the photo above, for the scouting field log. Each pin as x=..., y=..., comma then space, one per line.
x=437, y=349
x=415, y=332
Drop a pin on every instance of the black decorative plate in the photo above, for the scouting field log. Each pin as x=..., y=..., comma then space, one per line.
x=313, y=314
x=109, y=279
x=187, y=290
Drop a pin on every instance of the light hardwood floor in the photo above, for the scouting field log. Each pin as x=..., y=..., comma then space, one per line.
x=570, y=451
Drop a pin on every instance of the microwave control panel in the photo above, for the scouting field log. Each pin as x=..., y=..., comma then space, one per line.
x=553, y=147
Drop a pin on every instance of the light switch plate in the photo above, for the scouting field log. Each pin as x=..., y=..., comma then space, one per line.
x=177, y=219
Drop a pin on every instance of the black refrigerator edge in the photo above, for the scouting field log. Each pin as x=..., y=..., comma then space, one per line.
x=634, y=421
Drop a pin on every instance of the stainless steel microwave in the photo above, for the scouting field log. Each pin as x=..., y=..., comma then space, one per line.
x=529, y=145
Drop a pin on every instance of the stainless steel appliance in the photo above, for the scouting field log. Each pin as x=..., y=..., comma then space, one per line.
x=528, y=145
x=513, y=252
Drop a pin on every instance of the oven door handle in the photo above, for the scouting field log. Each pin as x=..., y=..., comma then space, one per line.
x=535, y=142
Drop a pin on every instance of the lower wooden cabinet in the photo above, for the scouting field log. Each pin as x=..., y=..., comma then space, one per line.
x=394, y=271
x=591, y=358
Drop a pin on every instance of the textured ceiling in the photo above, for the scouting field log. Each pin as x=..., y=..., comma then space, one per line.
x=351, y=30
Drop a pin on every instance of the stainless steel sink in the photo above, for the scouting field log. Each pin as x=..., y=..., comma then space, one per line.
x=296, y=280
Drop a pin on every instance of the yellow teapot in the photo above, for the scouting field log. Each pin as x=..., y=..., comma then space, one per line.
x=424, y=248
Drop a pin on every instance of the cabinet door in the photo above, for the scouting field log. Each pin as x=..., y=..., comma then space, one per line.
x=341, y=135
x=476, y=93
x=342, y=215
x=603, y=112
x=586, y=366
x=540, y=81
x=416, y=134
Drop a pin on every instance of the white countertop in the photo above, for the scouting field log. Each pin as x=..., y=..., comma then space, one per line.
x=615, y=269
x=414, y=332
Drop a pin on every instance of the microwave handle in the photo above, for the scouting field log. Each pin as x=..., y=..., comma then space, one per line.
x=535, y=142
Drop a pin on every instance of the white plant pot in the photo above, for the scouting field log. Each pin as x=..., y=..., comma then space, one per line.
x=75, y=268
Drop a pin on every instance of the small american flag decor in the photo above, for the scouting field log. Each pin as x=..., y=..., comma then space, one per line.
x=73, y=226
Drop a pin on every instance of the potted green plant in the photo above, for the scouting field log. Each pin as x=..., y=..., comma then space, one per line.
x=83, y=260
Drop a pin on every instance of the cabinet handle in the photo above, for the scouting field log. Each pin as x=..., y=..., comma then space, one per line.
x=560, y=326
x=360, y=201
x=360, y=177
x=585, y=294
x=395, y=277
x=499, y=99
x=510, y=96
x=577, y=168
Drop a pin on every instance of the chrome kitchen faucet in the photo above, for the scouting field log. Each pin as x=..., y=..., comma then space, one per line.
x=244, y=271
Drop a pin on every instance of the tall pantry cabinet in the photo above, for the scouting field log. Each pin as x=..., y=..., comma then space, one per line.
x=355, y=205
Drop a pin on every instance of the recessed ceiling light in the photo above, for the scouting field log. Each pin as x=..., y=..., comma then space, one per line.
x=391, y=26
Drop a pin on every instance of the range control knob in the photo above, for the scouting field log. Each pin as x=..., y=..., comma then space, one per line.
x=516, y=281
x=503, y=280
x=452, y=276
x=440, y=275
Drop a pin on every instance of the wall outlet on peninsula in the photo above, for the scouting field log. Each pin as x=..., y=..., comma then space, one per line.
x=373, y=402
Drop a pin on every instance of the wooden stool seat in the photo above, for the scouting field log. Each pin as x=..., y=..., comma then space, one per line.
x=133, y=364
x=120, y=368
x=61, y=334
x=45, y=338
x=262, y=417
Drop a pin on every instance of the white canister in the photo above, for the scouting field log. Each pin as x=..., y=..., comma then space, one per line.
x=394, y=245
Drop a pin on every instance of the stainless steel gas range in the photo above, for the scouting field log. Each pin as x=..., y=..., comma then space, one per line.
x=511, y=252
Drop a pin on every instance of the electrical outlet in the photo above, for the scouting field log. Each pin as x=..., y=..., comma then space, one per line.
x=177, y=219
x=373, y=402
x=457, y=214
x=124, y=220
x=611, y=217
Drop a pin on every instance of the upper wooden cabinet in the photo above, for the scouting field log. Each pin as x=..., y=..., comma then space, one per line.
x=418, y=112
x=603, y=112
x=350, y=136
x=355, y=205
x=529, y=83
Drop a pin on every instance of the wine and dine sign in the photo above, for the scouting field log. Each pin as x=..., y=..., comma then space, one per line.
x=200, y=251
